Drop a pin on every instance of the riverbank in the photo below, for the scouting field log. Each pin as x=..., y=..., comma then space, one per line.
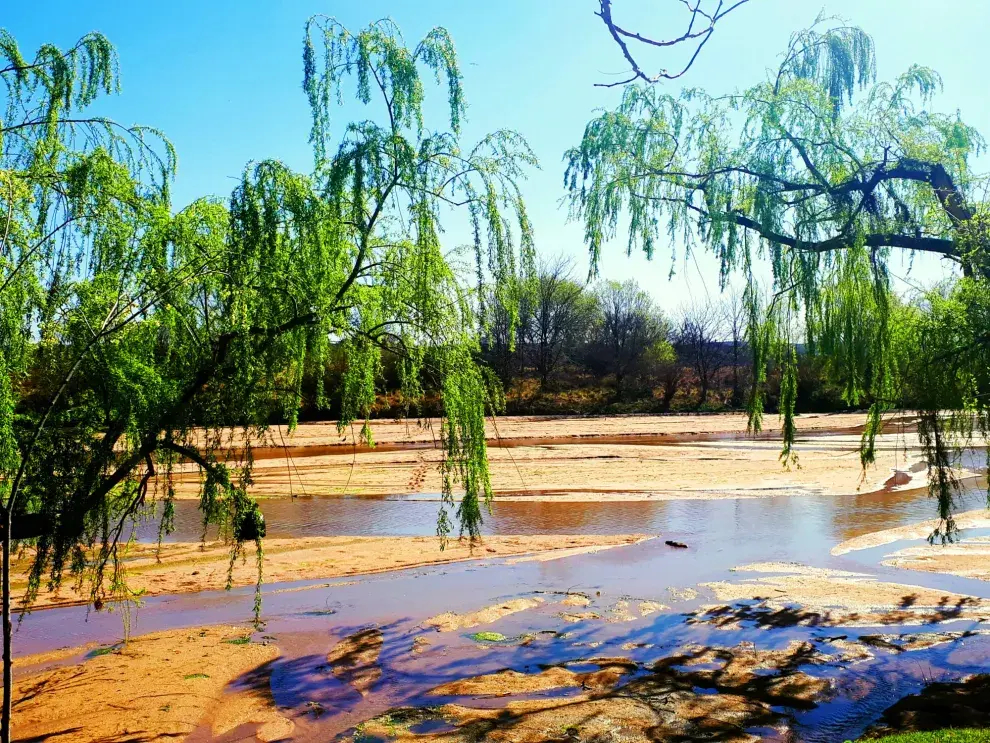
x=589, y=459
x=975, y=519
x=157, y=687
x=965, y=557
x=628, y=640
x=751, y=629
x=522, y=429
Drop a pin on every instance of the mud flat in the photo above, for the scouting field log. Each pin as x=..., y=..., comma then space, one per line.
x=190, y=567
x=156, y=687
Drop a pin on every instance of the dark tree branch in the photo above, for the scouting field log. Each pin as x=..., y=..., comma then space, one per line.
x=923, y=243
x=938, y=245
x=621, y=36
x=881, y=175
x=194, y=456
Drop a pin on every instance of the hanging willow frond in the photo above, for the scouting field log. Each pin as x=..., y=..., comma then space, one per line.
x=819, y=175
x=135, y=341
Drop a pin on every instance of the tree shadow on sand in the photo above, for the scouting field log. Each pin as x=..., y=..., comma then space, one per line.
x=767, y=613
x=706, y=693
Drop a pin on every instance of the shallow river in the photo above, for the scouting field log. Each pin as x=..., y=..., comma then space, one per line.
x=308, y=617
x=823, y=519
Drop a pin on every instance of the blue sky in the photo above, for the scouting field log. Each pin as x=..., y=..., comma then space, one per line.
x=222, y=79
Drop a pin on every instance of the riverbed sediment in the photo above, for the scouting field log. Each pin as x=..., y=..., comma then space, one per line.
x=793, y=611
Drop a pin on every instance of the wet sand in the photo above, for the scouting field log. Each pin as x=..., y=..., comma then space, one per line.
x=801, y=594
x=191, y=567
x=156, y=687
x=975, y=519
x=606, y=671
x=697, y=693
x=968, y=559
x=581, y=648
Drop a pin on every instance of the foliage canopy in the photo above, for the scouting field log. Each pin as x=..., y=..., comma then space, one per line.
x=133, y=336
x=822, y=173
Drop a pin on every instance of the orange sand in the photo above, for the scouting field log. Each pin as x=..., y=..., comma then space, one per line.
x=545, y=428
x=589, y=459
x=158, y=687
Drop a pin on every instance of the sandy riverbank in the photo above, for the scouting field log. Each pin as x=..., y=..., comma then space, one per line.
x=190, y=567
x=976, y=519
x=158, y=687
x=593, y=459
x=520, y=428
x=966, y=557
x=790, y=594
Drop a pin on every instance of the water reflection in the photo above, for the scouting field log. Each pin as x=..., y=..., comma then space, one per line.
x=721, y=534
x=789, y=519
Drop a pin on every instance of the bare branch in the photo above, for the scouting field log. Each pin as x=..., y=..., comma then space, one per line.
x=694, y=33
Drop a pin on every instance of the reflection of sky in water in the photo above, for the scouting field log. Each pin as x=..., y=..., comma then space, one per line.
x=721, y=534
x=308, y=622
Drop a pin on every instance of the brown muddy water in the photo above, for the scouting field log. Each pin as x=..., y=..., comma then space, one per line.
x=821, y=517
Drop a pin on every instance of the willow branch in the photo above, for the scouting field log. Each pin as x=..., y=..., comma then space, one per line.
x=621, y=35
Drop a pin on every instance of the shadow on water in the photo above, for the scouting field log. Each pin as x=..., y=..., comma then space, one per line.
x=802, y=677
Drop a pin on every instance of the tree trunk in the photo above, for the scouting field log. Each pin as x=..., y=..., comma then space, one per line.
x=669, y=390
x=736, y=390
x=8, y=680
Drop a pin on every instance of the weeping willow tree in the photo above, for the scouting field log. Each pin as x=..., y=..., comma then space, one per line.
x=133, y=337
x=813, y=180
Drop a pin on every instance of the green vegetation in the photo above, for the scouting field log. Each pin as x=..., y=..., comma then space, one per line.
x=488, y=637
x=937, y=736
x=135, y=336
x=820, y=174
x=108, y=650
x=132, y=336
x=193, y=676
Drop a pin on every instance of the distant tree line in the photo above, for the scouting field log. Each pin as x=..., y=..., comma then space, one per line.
x=558, y=344
x=608, y=346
